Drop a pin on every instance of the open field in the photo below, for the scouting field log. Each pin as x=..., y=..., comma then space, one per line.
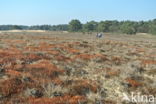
x=73, y=68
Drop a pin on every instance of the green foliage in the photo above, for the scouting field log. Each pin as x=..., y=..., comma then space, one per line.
x=75, y=25
x=90, y=26
x=114, y=27
x=50, y=28
x=128, y=27
x=13, y=27
x=152, y=27
x=108, y=26
x=36, y=27
x=102, y=27
x=143, y=27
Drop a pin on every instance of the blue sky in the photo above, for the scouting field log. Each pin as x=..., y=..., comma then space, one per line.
x=37, y=12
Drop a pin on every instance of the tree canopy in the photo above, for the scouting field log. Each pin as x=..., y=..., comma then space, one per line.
x=127, y=27
x=75, y=25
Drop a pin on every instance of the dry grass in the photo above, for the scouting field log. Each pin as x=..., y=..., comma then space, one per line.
x=72, y=68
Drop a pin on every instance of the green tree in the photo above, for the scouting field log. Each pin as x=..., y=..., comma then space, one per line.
x=75, y=25
x=90, y=26
x=128, y=27
x=143, y=27
x=102, y=27
x=152, y=27
x=113, y=26
x=16, y=27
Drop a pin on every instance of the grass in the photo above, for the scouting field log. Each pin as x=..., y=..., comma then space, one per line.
x=61, y=67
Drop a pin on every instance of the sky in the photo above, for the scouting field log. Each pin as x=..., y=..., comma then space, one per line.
x=53, y=12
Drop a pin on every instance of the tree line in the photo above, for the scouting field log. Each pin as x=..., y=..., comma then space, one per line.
x=127, y=27
x=36, y=27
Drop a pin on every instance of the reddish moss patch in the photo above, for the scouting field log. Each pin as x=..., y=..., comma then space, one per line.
x=134, y=83
x=13, y=73
x=11, y=86
x=148, y=62
x=45, y=68
x=63, y=58
x=113, y=73
x=84, y=56
x=53, y=52
x=58, y=100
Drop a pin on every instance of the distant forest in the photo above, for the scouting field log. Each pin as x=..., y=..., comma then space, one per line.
x=127, y=27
